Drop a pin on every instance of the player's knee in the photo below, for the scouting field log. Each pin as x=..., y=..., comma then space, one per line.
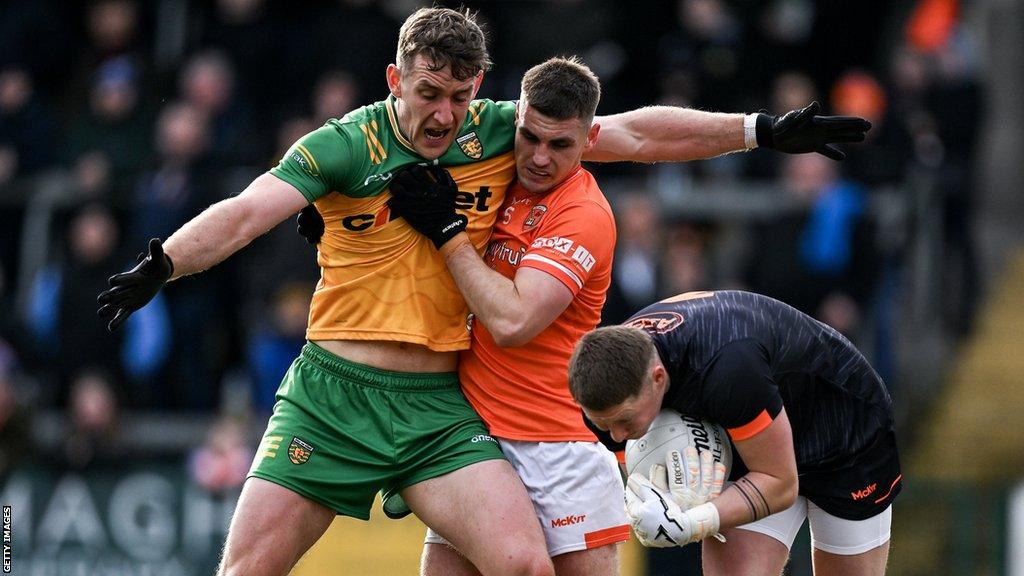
x=249, y=563
x=529, y=563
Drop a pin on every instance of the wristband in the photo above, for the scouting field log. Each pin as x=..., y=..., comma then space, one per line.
x=750, y=131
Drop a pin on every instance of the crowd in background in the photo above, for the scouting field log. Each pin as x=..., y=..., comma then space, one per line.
x=134, y=116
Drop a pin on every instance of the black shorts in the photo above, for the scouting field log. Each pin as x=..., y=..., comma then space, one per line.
x=861, y=490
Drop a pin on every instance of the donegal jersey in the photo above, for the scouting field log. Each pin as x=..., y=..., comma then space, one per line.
x=522, y=393
x=380, y=280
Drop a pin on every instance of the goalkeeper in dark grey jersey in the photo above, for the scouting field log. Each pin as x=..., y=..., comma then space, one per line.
x=810, y=420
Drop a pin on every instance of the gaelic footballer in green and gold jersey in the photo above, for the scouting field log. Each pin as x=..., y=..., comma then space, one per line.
x=380, y=279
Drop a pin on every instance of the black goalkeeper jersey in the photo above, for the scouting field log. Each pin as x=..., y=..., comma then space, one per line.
x=736, y=358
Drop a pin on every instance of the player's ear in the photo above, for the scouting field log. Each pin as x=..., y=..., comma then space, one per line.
x=659, y=380
x=477, y=82
x=394, y=77
x=595, y=129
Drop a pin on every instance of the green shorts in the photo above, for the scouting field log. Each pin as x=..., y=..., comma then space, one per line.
x=341, y=432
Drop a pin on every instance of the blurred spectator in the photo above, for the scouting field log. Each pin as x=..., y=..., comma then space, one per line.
x=109, y=140
x=63, y=310
x=784, y=35
x=63, y=307
x=334, y=96
x=113, y=32
x=884, y=157
x=23, y=25
x=955, y=102
x=792, y=90
x=821, y=259
x=92, y=438
x=113, y=27
x=221, y=464
x=15, y=424
x=179, y=184
x=710, y=42
x=636, y=271
x=250, y=34
x=208, y=85
x=316, y=45
x=27, y=136
x=274, y=347
x=684, y=261
x=91, y=177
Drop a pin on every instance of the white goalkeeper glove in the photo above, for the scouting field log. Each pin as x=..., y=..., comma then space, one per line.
x=692, y=477
x=657, y=520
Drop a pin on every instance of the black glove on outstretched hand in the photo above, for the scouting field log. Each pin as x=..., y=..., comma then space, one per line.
x=133, y=289
x=801, y=131
x=310, y=224
x=425, y=196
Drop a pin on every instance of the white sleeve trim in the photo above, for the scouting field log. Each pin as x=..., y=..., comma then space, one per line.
x=561, y=267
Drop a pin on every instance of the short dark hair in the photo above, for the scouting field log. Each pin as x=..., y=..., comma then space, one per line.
x=562, y=88
x=448, y=38
x=610, y=365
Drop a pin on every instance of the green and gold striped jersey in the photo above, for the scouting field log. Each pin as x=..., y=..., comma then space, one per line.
x=380, y=279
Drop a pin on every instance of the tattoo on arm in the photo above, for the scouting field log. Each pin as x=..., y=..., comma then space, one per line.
x=756, y=501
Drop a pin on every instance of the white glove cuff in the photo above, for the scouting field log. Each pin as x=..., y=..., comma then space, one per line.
x=705, y=520
x=750, y=131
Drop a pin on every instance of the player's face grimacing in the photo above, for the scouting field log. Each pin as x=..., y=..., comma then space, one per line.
x=548, y=150
x=631, y=418
x=431, y=104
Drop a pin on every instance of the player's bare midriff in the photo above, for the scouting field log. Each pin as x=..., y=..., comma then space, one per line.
x=395, y=356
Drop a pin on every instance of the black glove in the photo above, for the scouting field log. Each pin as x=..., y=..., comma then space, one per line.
x=801, y=131
x=133, y=289
x=310, y=224
x=425, y=197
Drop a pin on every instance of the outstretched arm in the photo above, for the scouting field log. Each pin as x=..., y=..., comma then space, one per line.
x=229, y=225
x=221, y=230
x=667, y=134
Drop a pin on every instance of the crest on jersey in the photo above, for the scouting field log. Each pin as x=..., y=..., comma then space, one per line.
x=299, y=451
x=534, y=217
x=657, y=322
x=471, y=146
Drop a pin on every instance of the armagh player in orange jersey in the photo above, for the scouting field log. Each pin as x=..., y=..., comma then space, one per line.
x=539, y=287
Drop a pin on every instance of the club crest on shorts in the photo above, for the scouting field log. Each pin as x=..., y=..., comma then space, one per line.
x=299, y=451
x=534, y=217
x=471, y=146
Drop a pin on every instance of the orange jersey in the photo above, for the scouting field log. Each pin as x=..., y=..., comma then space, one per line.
x=522, y=393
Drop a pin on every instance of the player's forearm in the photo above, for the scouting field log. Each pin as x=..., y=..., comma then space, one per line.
x=229, y=225
x=492, y=297
x=209, y=238
x=667, y=134
x=752, y=497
